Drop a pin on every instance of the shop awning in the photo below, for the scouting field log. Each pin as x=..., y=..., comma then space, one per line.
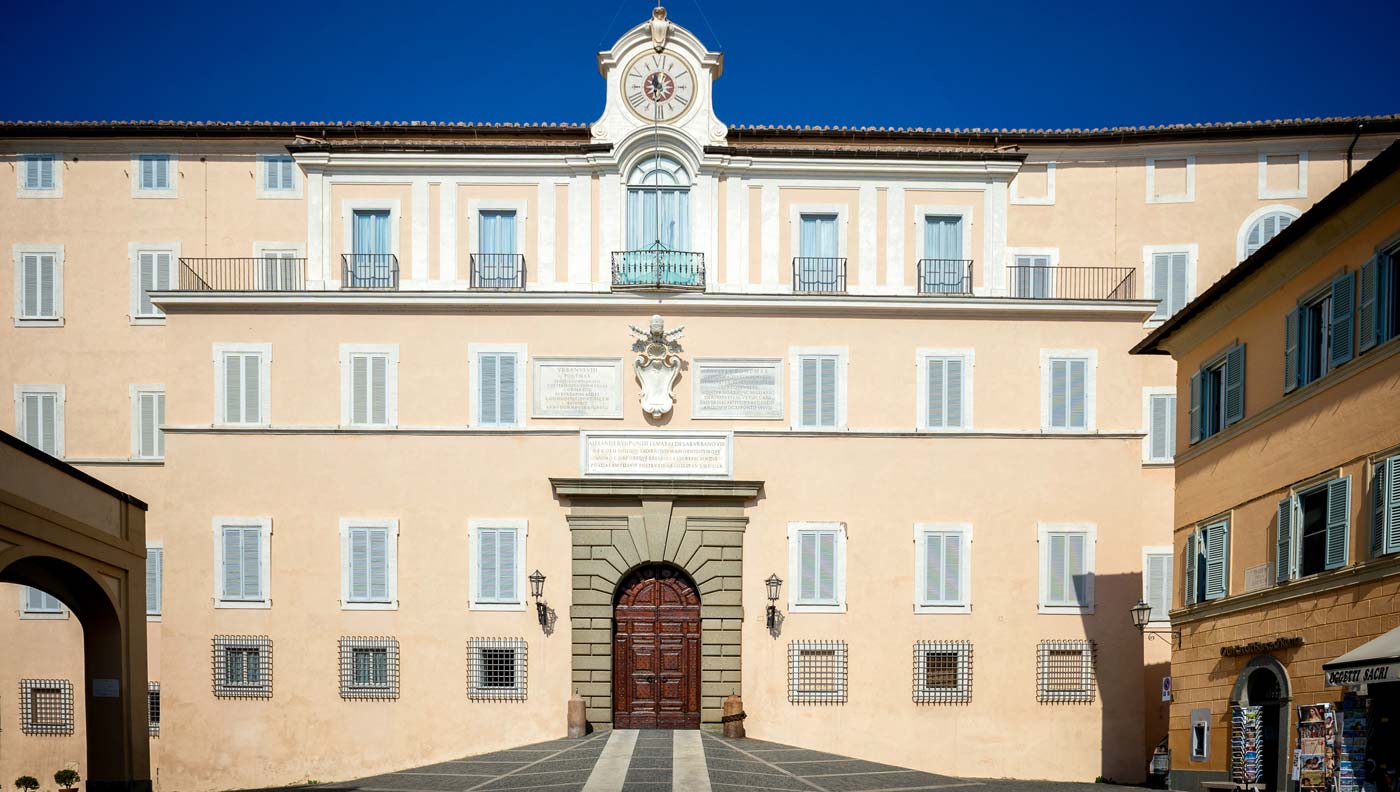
x=1377, y=660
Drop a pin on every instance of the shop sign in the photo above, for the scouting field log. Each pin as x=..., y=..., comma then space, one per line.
x=1351, y=677
x=1259, y=647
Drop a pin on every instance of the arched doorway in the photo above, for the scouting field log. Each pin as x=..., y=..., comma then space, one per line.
x=1264, y=683
x=656, y=650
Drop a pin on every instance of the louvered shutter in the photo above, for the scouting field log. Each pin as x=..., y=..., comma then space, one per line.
x=1057, y=572
x=952, y=568
x=826, y=566
x=1392, y=505
x=937, y=418
x=233, y=562
x=1283, y=558
x=148, y=173
x=506, y=547
x=154, y=572
x=809, y=377
x=359, y=564
x=1234, y=385
x=1159, y=585
x=378, y=558
x=252, y=563
x=1189, y=569
x=1078, y=566
x=359, y=389
x=953, y=384
x=1161, y=284
x=1338, y=519
x=506, y=399
x=1179, y=264
x=150, y=416
x=827, y=390
x=37, y=276
x=1217, y=552
x=807, y=566
x=1378, y=490
x=1343, y=289
x=252, y=388
x=489, y=382
x=1195, y=407
x=933, y=567
x=379, y=389
x=146, y=262
x=1078, y=407
x=1059, y=393
x=488, y=576
x=1366, y=319
x=1291, y=323
x=162, y=173
x=233, y=388
x=1161, y=434
x=29, y=274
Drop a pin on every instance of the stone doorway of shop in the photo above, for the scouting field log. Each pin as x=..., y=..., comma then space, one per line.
x=656, y=650
x=1264, y=693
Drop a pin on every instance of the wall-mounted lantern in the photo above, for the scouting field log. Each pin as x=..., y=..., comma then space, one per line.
x=1142, y=613
x=537, y=591
x=775, y=584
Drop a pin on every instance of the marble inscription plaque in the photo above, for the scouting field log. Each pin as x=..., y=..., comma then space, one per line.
x=739, y=388
x=577, y=387
x=663, y=454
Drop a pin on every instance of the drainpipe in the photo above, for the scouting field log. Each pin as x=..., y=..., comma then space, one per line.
x=1352, y=147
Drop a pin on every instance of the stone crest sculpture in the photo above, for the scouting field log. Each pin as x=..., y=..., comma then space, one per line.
x=660, y=28
x=658, y=365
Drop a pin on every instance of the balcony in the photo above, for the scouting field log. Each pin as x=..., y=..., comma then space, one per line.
x=498, y=271
x=658, y=268
x=369, y=271
x=816, y=275
x=264, y=273
x=1071, y=283
x=945, y=276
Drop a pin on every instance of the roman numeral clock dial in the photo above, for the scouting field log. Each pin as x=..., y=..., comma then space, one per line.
x=658, y=87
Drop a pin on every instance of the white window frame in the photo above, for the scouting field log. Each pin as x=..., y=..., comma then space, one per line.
x=1091, y=356
x=476, y=206
x=1242, y=235
x=1147, y=394
x=157, y=544
x=522, y=533
x=135, y=392
x=1159, y=550
x=391, y=563
x=1186, y=197
x=133, y=253
x=391, y=384
x=173, y=191
x=20, y=251
x=922, y=212
x=921, y=532
x=1051, y=254
x=795, y=529
x=1299, y=191
x=61, y=391
x=293, y=192
x=26, y=614
x=1149, y=272
x=1043, y=532
x=22, y=172
x=264, y=381
x=843, y=224
x=1046, y=200
x=264, y=525
x=921, y=358
x=843, y=364
x=522, y=358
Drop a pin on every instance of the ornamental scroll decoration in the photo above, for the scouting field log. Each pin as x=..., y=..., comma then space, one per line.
x=657, y=365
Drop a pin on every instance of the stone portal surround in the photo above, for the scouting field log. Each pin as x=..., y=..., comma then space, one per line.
x=619, y=525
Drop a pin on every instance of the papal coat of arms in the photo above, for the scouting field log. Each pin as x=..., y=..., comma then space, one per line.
x=657, y=365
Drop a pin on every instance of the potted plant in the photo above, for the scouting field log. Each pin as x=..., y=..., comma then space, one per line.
x=67, y=778
x=26, y=783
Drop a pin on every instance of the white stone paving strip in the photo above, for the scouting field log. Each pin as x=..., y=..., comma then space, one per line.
x=688, y=771
x=611, y=769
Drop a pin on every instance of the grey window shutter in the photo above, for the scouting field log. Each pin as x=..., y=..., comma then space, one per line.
x=46, y=286
x=1378, y=490
x=1059, y=393
x=154, y=562
x=506, y=547
x=1178, y=283
x=148, y=432
x=1392, y=505
x=1159, y=585
x=1161, y=284
x=809, y=391
x=490, y=389
x=1283, y=558
x=933, y=567
x=1217, y=544
x=828, y=391
x=1078, y=563
x=954, y=386
x=378, y=558
x=487, y=564
x=146, y=265
x=379, y=389
x=233, y=563
x=807, y=566
x=252, y=563
x=1195, y=408
x=359, y=564
x=952, y=567
x=1338, y=518
x=1234, y=385
x=1366, y=319
x=507, y=386
x=1189, y=570
x=1057, y=571
x=1078, y=380
x=1159, y=430
x=271, y=174
x=826, y=566
x=252, y=388
x=937, y=384
x=1343, y=289
x=148, y=173
x=233, y=388
x=1290, y=350
x=160, y=421
x=359, y=389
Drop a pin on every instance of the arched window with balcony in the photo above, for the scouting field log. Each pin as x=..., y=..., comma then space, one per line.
x=658, y=227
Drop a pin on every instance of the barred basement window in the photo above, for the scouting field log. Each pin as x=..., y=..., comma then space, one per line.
x=242, y=666
x=369, y=668
x=942, y=672
x=46, y=706
x=153, y=708
x=496, y=669
x=1065, y=671
x=817, y=672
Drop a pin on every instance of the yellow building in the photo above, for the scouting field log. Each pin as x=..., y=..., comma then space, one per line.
x=370, y=376
x=1287, y=509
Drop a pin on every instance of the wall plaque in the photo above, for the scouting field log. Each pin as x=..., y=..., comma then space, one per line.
x=577, y=387
x=738, y=388
x=656, y=454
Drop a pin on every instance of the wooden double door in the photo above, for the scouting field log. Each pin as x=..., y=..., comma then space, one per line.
x=656, y=651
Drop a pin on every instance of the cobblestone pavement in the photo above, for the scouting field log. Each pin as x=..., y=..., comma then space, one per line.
x=661, y=761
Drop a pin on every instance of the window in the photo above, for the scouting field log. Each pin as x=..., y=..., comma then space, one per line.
x=147, y=416
x=1171, y=180
x=241, y=562
x=46, y=706
x=1172, y=272
x=945, y=388
x=817, y=567
x=1317, y=334
x=1067, y=388
x=280, y=267
x=372, y=263
x=817, y=672
x=1311, y=532
x=497, y=265
x=152, y=269
x=154, y=176
x=1065, y=672
x=40, y=176
x=39, y=416
x=819, y=266
x=369, y=385
x=496, y=669
x=38, y=285
x=1067, y=567
x=944, y=266
x=498, y=565
x=153, y=708
x=369, y=668
x=241, y=383
x=1378, y=306
x=658, y=205
x=1032, y=275
x=38, y=604
x=1217, y=394
x=942, y=567
x=1157, y=588
x=1159, y=421
x=942, y=672
x=1385, y=506
x=1034, y=184
x=498, y=385
x=819, y=387
x=279, y=177
x=369, y=564
x=1263, y=226
x=155, y=579
x=1283, y=175
x=242, y=666
x=1207, y=561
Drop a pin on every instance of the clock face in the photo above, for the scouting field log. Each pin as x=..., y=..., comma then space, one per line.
x=658, y=87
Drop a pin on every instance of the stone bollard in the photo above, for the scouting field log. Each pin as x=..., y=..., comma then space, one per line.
x=578, y=724
x=733, y=719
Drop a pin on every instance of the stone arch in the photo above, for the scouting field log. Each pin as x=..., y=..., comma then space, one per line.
x=1277, y=692
x=1239, y=696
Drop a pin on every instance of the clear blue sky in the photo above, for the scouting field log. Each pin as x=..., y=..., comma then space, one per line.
x=1012, y=63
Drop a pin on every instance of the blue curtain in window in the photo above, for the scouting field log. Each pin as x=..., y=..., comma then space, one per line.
x=370, y=245
x=943, y=247
x=672, y=233
x=497, y=266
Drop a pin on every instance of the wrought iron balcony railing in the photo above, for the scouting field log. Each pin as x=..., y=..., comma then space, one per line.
x=818, y=275
x=1071, y=283
x=945, y=276
x=262, y=273
x=498, y=271
x=658, y=268
x=369, y=271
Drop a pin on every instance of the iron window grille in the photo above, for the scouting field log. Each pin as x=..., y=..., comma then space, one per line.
x=153, y=708
x=1065, y=672
x=817, y=672
x=46, y=706
x=242, y=666
x=369, y=668
x=942, y=672
x=496, y=669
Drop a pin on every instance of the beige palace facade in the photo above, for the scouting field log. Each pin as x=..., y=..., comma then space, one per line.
x=370, y=377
